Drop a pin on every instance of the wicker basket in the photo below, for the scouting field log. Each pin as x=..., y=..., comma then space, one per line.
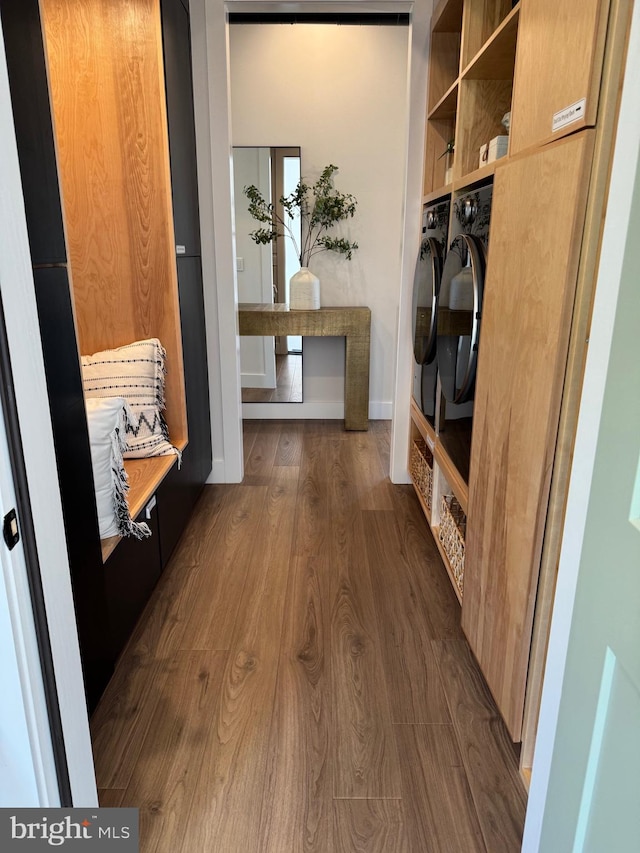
x=421, y=469
x=453, y=527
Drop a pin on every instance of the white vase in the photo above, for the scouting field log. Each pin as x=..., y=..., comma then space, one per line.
x=304, y=290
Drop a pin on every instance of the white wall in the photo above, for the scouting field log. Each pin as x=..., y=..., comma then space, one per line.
x=340, y=93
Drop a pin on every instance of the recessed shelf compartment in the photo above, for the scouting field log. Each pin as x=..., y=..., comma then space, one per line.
x=440, y=132
x=481, y=20
x=447, y=105
x=496, y=58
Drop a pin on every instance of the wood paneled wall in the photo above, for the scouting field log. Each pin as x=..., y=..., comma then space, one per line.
x=107, y=89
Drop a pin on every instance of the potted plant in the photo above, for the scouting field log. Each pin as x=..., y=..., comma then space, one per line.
x=319, y=207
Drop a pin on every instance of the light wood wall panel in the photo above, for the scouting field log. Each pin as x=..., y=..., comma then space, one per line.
x=559, y=61
x=107, y=86
x=539, y=206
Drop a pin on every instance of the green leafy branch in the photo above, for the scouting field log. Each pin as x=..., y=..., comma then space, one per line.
x=319, y=208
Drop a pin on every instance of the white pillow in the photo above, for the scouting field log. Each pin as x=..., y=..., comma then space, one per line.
x=107, y=419
x=136, y=372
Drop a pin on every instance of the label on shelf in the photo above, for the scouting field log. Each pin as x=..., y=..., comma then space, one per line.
x=574, y=112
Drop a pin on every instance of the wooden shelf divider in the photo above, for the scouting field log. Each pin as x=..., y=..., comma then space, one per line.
x=479, y=176
x=447, y=105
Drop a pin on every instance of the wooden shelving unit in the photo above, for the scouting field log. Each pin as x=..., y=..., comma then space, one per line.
x=522, y=408
x=467, y=103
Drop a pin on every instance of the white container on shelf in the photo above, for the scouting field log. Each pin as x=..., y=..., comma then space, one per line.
x=498, y=148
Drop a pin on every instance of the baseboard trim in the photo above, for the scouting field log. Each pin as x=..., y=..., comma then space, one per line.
x=311, y=410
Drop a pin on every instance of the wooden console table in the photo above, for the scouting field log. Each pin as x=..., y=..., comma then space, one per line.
x=354, y=324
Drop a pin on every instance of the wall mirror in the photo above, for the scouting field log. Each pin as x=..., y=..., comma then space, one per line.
x=270, y=368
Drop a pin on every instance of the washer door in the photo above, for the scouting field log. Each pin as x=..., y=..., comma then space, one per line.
x=459, y=311
x=426, y=287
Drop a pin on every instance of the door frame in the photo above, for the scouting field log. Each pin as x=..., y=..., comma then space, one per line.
x=615, y=233
x=210, y=57
x=34, y=422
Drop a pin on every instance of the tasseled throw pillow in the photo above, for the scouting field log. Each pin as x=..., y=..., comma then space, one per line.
x=107, y=420
x=136, y=372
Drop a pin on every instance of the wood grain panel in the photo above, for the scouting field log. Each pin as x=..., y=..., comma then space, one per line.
x=437, y=798
x=560, y=53
x=529, y=296
x=364, y=752
x=231, y=781
x=370, y=826
x=615, y=56
x=297, y=800
x=165, y=777
x=445, y=62
x=108, y=99
x=488, y=756
x=413, y=679
x=480, y=19
x=496, y=59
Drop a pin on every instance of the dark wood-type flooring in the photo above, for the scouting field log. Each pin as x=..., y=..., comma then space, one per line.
x=299, y=680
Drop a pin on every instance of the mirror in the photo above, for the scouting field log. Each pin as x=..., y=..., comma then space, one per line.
x=271, y=368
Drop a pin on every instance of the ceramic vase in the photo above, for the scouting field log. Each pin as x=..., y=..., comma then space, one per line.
x=304, y=290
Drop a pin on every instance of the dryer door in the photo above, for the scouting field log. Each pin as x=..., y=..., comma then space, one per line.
x=459, y=311
x=426, y=287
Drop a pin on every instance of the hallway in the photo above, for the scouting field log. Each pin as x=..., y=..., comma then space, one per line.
x=299, y=680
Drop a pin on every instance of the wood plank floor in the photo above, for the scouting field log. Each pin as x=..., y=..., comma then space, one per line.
x=299, y=682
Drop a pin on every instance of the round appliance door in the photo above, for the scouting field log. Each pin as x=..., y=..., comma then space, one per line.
x=459, y=311
x=426, y=287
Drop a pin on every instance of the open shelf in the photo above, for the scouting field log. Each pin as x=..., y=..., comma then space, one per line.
x=482, y=20
x=496, y=58
x=447, y=105
x=481, y=107
x=145, y=475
